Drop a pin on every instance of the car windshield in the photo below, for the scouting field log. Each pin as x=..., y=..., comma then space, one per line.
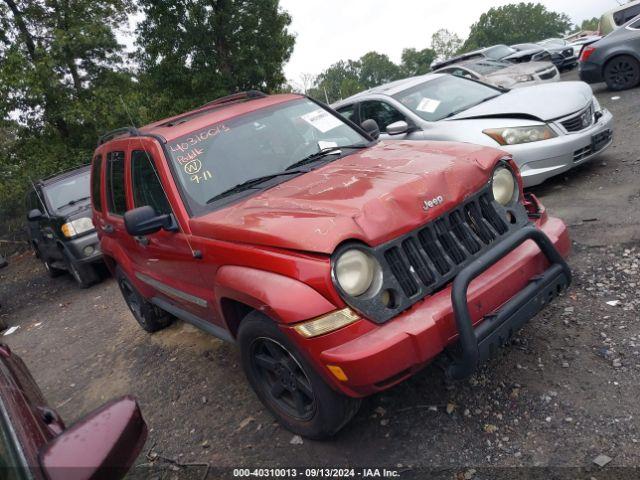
x=498, y=52
x=445, y=96
x=214, y=161
x=526, y=46
x=553, y=41
x=486, y=67
x=67, y=192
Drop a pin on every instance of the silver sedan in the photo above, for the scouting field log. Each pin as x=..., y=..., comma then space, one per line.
x=548, y=128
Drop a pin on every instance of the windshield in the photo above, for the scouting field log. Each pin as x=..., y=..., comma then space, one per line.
x=66, y=193
x=486, y=67
x=498, y=52
x=526, y=46
x=214, y=160
x=445, y=96
x=553, y=41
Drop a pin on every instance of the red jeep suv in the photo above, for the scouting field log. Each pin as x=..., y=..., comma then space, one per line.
x=340, y=265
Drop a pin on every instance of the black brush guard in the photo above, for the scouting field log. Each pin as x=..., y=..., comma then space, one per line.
x=477, y=345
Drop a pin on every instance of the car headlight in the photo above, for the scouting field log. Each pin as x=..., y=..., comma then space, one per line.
x=525, y=78
x=355, y=271
x=504, y=186
x=517, y=135
x=77, y=227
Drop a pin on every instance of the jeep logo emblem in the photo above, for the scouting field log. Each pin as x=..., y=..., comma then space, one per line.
x=434, y=202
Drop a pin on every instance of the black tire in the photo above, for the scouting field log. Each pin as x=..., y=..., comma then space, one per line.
x=52, y=271
x=287, y=385
x=150, y=317
x=84, y=275
x=622, y=73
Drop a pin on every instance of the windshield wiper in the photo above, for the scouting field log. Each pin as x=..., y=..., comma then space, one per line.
x=73, y=202
x=321, y=154
x=241, y=187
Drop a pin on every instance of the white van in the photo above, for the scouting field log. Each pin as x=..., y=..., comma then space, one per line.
x=618, y=16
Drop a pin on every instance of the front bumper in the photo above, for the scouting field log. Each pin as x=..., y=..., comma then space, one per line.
x=539, y=161
x=84, y=249
x=376, y=357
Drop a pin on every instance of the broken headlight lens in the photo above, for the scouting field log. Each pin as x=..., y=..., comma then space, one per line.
x=517, y=135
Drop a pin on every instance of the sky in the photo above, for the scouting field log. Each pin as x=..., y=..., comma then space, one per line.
x=331, y=30
x=328, y=31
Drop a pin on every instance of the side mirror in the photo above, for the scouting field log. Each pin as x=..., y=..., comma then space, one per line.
x=371, y=127
x=104, y=444
x=144, y=221
x=397, y=128
x=34, y=215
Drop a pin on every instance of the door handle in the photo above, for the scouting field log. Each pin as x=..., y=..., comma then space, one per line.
x=144, y=241
x=108, y=228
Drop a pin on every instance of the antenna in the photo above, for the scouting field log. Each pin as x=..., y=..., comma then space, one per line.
x=33, y=185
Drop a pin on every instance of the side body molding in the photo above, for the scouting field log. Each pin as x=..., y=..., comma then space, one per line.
x=284, y=299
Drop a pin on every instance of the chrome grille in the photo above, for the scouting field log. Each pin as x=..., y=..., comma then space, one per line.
x=579, y=121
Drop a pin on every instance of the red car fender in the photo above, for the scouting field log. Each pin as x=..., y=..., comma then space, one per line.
x=284, y=299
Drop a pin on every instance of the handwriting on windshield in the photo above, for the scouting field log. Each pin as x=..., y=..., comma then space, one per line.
x=188, y=150
x=187, y=144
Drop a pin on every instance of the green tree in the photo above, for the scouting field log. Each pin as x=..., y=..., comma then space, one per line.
x=340, y=80
x=416, y=62
x=192, y=51
x=445, y=44
x=376, y=69
x=61, y=72
x=590, y=24
x=516, y=23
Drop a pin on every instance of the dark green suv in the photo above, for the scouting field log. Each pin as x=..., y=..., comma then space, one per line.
x=60, y=227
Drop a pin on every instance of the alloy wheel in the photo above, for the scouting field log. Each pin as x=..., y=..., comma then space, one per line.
x=282, y=378
x=132, y=299
x=621, y=73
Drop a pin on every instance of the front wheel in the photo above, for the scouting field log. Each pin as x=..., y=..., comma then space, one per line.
x=622, y=72
x=84, y=275
x=287, y=385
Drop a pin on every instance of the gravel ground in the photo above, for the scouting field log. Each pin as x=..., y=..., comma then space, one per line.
x=565, y=392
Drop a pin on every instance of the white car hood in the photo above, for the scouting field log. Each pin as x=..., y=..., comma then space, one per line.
x=542, y=102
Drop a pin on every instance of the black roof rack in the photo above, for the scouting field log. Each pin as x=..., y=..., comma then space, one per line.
x=219, y=102
x=130, y=131
x=64, y=172
x=236, y=97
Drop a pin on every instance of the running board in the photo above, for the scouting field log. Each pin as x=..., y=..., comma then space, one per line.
x=194, y=320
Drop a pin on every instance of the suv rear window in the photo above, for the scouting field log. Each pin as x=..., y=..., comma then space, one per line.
x=116, y=200
x=96, y=173
x=623, y=16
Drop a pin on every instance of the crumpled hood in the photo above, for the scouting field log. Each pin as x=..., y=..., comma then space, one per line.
x=544, y=102
x=528, y=68
x=373, y=195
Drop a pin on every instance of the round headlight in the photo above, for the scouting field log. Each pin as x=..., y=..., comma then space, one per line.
x=355, y=271
x=504, y=186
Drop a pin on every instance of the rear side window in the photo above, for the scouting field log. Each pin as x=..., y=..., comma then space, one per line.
x=96, y=174
x=623, y=16
x=116, y=199
x=635, y=25
x=147, y=189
